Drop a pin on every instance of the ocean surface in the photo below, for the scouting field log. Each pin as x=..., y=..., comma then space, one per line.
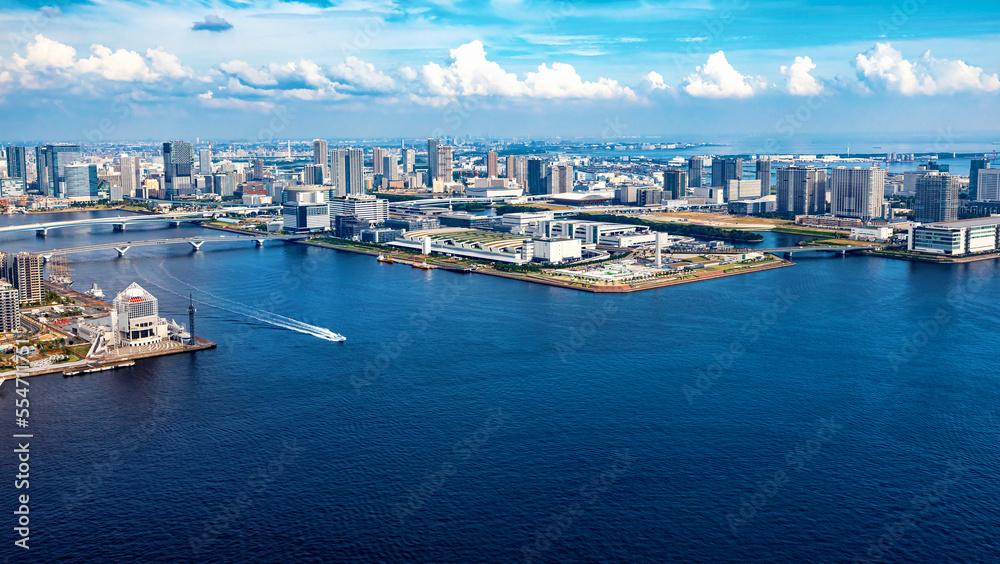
x=841, y=410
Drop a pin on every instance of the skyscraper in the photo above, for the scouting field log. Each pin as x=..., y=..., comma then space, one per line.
x=355, y=171
x=312, y=174
x=724, y=170
x=205, y=160
x=432, y=160
x=409, y=158
x=17, y=164
x=696, y=168
x=974, y=167
x=378, y=153
x=675, y=183
x=321, y=156
x=338, y=174
x=130, y=169
x=937, y=198
x=42, y=169
x=764, y=175
x=491, y=165
x=511, y=166
x=521, y=170
x=988, y=184
x=56, y=158
x=390, y=169
x=536, y=176
x=857, y=192
x=82, y=182
x=178, y=169
x=560, y=179
x=24, y=272
x=446, y=164
x=801, y=190
x=258, y=168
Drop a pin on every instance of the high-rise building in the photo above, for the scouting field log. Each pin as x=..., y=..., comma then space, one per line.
x=130, y=169
x=321, y=156
x=313, y=174
x=560, y=179
x=536, y=176
x=42, y=169
x=511, y=167
x=432, y=161
x=82, y=182
x=491, y=165
x=974, y=167
x=988, y=184
x=10, y=309
x=24, y=272
x=378, y=155
x=390, y=169
x=764, y=175
x=724, y=170
x=178, y=169
x=56, y=157
x=257, y=164
x=205, y=160
x=17, y=163
x=857, y=192
x=355, y=171
x=675, y=183
x=696, y=169
x=409, y=159
x=446, y=164
x=521, y=171
x=739, y=189
x=338, y=174
x=801, y=190
x=937, y=198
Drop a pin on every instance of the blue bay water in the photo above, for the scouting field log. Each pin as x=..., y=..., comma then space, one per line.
x=469, y=418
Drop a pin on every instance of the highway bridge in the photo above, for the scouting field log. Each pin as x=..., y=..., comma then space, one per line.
x=839, y=249
x=195, y=242
x=119, y=222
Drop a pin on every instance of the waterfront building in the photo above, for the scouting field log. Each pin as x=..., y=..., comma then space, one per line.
x=856, y=192
x=696, y=168
x=756, y=206
x=178, y=169
x=413, y=223
x=937, y=198
x=974, y=167
x=82, y=183
x=764, y=175
x=12, y=187
x=380, y=236
x=801, y=190
x=880, y=234
x=354, y=171
x=555, y=251
x=56, y=159
x=17, y=164
x=130, y=169
x=360, y=206
x=305, y=209
x=988, y=185
x=24, y=272
x=10, y=309
x=675, y=184
x=724, y=170
x=136, y=317
x=42, y=170
x=956, y=238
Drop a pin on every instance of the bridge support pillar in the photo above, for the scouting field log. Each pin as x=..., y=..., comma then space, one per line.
x=175, y=224
x=260, y=242
x=121, y=250
x=196, y=244
x=119, y=227
x=41, y=232
x=842, y=253
x=45, y=258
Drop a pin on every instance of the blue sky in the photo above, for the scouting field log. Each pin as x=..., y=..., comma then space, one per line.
x=696, y=69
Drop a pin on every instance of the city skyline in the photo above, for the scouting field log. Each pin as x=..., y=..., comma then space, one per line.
x=115, y=71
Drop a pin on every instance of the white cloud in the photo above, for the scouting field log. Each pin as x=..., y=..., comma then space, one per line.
x=362, y=76
x=718, y=79
x=120, y=65
x=408, y=74
x=167, y=64
x=45, y=54
x=800, y=82
x=472, y=74
x=883, y=68
x=248, y=74
x=655, y=81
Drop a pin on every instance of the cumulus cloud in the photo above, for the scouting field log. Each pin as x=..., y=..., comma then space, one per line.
x=655, y=81
x=470, y=73
x=43, y=53
x=883, y=68
x=359, y=76
x=800, y=82
x=120, y=65
x=248, y=74
x=167, y=64
x=718, y=79
x=212, y=23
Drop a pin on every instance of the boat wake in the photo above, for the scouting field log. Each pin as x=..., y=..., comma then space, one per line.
x=249, y=311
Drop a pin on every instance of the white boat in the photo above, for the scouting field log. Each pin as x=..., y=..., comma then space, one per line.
x=95, y=292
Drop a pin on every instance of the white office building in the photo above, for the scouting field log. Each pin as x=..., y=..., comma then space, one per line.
x=136, y=317
x=556, y=251
x=956, y=238
x=360, y=206
x=989, y=184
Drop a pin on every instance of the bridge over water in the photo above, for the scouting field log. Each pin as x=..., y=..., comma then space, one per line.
x=195, y=242
x=119, y=222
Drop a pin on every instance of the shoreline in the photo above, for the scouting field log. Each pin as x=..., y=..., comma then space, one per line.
x=931, y=259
